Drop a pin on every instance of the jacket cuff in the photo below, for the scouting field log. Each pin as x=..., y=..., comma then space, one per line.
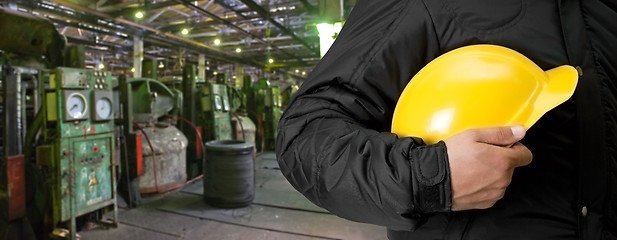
x=431, y=178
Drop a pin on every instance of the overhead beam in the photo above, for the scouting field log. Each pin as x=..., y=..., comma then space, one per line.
x=211, y=22
x=200, y=10
x=225, y=5
x=187, y=3
x=149, y=7
x=156, y=34
x=310, y=8
x=265, y=14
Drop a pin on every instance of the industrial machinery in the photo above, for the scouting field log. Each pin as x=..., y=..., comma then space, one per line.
x=215, y=112
x=255, y=95
x=77, y=157
x=272, y=113
x=264, y=108
x=287, y=93
x=32, y=36
x=16, y=110
x=207, y=113
x=154, y=151
x=243, y=129
x=192, y=129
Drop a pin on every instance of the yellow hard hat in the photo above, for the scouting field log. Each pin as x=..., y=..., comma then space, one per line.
x=479, y=86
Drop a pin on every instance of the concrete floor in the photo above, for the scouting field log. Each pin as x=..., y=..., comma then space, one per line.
x=278, y=212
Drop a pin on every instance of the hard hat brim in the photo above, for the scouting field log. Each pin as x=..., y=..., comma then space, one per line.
x=560, y=87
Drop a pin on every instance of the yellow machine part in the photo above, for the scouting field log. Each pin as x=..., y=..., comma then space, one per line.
x=479, y=86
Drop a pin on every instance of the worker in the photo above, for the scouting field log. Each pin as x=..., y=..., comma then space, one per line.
x=335, y=144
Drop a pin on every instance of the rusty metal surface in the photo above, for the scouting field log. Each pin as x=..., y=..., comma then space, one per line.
x=30, y=35
x=16, y=172
x=169, y=160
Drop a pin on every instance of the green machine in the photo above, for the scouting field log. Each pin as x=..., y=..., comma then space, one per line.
x=208, y=109
x=215, y=107
x=191, y=128
x=272, y=112
x=264, y=105
x=287, y=93
x=76, y=158
x=255, y=96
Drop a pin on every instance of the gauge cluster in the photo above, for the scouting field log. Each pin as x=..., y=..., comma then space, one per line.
x=75, y=105
x=86, y=94
x=102, y=105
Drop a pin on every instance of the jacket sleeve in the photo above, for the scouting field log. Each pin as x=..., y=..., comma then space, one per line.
x=334, y=143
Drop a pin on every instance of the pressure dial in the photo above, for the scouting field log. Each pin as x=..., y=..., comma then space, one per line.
x=103, y=108
x=76, y=106
x=217, y=102
x=225, y=105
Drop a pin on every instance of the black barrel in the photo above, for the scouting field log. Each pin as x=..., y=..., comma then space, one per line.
x=229, y=174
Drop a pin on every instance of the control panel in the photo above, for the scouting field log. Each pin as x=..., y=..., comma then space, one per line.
x=216, y=112
x=79, y=131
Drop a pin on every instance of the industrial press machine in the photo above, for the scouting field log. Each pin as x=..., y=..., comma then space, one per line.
x=77, y=158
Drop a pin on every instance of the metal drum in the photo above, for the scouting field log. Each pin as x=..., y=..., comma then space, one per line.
x=167, y=171
x=229, y=174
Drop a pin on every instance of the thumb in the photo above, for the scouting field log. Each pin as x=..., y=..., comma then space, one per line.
x=501, y=136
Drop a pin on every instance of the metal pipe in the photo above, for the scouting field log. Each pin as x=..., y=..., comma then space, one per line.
x=179, y=12
x=156, y=15
x=160, y=35
x=138, y=55
x=202, y=66
x=223, y=21
x=208, y=4
x=253, y=41
x=266, y=15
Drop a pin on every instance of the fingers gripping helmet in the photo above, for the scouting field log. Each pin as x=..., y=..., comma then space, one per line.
x=479, y=86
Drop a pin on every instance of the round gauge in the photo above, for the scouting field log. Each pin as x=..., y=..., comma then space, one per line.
x=103, y=108
x=76, y=106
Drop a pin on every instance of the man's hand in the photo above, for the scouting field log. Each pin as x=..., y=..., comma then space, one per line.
x=481, y=165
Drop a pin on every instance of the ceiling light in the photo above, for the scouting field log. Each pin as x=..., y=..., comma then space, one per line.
x=185, y=31
x=217, y=42
x=132, y=69
x=297, y=70
x=101, y=66
x=215, y=73
x=238, y=50
x=161, y=65
x=271, y=60
x=327, y=33
x=139, y=15
x=303, y=73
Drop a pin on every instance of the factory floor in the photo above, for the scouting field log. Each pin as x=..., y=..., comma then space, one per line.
x=278, y=212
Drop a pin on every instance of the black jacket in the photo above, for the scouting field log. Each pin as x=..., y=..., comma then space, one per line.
x=335, y=146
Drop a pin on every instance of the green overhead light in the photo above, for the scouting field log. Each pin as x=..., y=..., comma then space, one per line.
x=327, y=34
x=271, y=60
x=217, y=42
x=185, y=31
x=139, y=15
